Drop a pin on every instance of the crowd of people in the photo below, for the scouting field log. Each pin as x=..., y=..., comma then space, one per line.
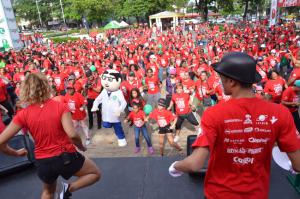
x=171, y=71
x=174, y=65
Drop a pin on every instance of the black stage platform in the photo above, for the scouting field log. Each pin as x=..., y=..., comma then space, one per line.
x=134, y=178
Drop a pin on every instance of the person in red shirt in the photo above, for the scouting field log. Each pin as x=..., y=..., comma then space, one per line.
x=137, y=116
x=290, y=98
x=93, y=87
x=164, y=118
x=153, y=86
x=76, y=103
x=188, y=84
x=239, y=141
x=275, y=86
x=183, y=109
x=50, y=125
x=128, y=85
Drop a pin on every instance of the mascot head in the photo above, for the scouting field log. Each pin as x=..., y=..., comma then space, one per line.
x=111, y=80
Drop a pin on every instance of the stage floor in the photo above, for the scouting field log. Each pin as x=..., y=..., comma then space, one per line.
x=134, y=178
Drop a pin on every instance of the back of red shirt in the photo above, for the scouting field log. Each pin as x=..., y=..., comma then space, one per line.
x=44, y=124
x=240, y=141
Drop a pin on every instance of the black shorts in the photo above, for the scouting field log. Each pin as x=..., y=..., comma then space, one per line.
x=164, y=130
x=49, y=169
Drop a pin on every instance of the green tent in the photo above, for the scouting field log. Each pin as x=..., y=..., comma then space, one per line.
x=112, y=25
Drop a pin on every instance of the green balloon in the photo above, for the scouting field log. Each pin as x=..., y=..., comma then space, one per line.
x=159, y=46
x=93, y=68
x=148, y=109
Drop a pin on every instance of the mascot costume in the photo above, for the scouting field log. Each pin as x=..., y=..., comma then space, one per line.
x=113, y=103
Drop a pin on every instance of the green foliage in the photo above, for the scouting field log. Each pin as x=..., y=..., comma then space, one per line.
x=63, y=39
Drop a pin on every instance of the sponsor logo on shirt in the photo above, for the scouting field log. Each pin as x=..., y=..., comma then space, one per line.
x=232, y=121
x=248, y=119
x=258, y=140
x=259, y=130
x=243, y=161
x=229, y=131
x=273, y=120
x=234, y=141
x=262, y=120
x=244, y=151
x=248, y=130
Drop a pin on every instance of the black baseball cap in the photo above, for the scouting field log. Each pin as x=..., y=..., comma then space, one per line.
x=162, y=102
x=238, y=66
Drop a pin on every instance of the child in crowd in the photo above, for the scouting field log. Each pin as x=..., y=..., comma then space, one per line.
x=163, y=117
x=137, y=116
x=183, y=109
x=136, y=97
x=76, y=103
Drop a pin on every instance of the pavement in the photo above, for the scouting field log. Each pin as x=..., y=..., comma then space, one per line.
x=104, y=142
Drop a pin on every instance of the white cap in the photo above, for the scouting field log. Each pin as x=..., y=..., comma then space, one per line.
x=263, y=45
x=273, y=51
x=153, y=57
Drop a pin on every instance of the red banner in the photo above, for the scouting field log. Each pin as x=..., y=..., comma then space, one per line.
x=288, y=3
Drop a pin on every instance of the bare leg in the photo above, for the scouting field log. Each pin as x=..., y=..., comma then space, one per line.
x=161, y=143
x=88, y=175
x=172, y=143
x=48, y=191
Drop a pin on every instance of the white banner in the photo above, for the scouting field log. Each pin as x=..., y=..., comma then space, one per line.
x=9, y=33
x=273, y=12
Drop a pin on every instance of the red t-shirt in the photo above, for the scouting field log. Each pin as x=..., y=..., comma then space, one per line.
x=3, y=91
x=188, y=85
x=275, y=88
x=75, y=102
x=2, y=125
x=163, y=117
x=240, y=141
x=289, y=95
x=181, y=102
x=152, y=84
x=44, y=124
x=137, y=118
x=91, y=94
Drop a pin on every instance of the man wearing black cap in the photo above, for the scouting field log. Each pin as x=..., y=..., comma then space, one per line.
x=239, y=136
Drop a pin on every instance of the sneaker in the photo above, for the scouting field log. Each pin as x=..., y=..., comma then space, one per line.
x=137, y=149
x=150, y=150
x=65, y=194
x=87, y=141
x=176, y=139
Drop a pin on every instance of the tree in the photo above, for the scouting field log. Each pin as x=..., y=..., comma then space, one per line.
x=202, y=7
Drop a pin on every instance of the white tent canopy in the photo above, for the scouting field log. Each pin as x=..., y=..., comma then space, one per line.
x=124, y=24
x=165, y=14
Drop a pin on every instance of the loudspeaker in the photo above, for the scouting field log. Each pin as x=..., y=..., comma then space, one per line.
x=11, y=163
x=189, y=150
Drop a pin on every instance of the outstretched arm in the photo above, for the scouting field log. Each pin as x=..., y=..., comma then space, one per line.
x=97, y=102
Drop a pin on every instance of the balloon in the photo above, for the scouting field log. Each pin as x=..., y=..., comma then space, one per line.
x=148, y=109
x=297, y=83
x=160, y=46
x=93, y=68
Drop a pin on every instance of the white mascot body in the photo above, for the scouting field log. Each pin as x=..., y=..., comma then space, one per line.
x=113, y=103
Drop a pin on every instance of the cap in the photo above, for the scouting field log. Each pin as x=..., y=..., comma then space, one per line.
x=238, y=66
x=153, y=57
x=263, y=46
x=172, y=71
x=71, y=77
x=260, y=59
x=259, y=88
x=162, y=102
x=273, y=51
x=70, y=85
